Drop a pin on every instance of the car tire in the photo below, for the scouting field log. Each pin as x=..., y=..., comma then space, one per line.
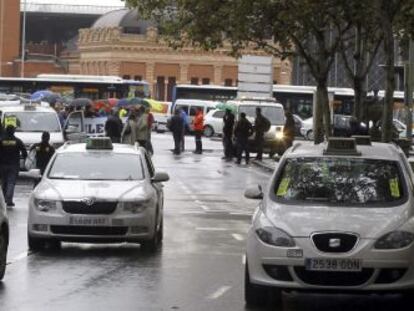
x=151, y=246
x=3, y=254
x=309, y=135
x=208, y=131
x=36, y=244
x=259, y=295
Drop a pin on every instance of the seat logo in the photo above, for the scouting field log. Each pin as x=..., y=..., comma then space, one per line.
x=88, y=201
x=334, y=243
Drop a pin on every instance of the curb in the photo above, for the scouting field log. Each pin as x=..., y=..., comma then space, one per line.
x=264, y=165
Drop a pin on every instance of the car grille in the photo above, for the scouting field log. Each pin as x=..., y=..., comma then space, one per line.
x=334, y=242
x=324, y=278
x=77, y=207
x=88, y=230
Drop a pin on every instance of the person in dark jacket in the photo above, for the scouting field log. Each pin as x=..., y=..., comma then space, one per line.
x=11, y=148
x=261, y=126
x=113, y=127
x=289, y=129
x=176, y=126
x=44, y=152
x=228, y=121
x=242, y=131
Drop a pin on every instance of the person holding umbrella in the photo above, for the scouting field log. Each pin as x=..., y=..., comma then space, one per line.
x=113, y=126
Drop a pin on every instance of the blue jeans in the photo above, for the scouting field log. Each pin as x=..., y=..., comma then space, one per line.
x=9, y=175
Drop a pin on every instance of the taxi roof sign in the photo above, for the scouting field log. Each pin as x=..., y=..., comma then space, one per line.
x=99, y=143
x=362, y=140
x=341, y=146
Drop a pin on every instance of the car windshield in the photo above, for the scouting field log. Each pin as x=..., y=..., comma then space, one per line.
x=97, y=166
x=340, y=181
x=35, y=121
x=274, y=114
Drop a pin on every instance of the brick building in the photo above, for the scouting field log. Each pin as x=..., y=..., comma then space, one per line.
x=9, y=35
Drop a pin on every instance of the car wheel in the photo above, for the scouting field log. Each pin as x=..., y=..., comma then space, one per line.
x=208, y=131
x=154, y=244
x=3, y=254
x=259, y=295
x=36, y=244
x=309, y=135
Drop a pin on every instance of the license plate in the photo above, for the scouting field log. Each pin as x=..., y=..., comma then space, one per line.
x=87, y=221
x=325, y=264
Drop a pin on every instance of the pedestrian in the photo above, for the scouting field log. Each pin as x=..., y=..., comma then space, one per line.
x=113, y=127
x=128, y=135
x=186, y=127
x=11, y=149
x=289, y=129
x=141, y=134
x=176, y=126
x=150, y=122
x=261, y=126
x=228, y=126
x=242, y=132
x=44, y=152
x=198, y=127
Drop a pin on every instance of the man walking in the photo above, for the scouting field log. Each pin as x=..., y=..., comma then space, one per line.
x=242, y=131
x=113, y=127
x=228, y=121
x=11, y=148
x=44, y=152
x=176, y=126
x=261, y=126
x=198, y=127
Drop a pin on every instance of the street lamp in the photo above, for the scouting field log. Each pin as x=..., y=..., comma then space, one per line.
x=23, y=41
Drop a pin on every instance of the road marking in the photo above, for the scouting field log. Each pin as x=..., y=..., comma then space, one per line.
x=204, y=207
x=219, y=292
x=18, y=257
x=211, y=229
x=237, y=237
x=244, y=259
x=241, y=214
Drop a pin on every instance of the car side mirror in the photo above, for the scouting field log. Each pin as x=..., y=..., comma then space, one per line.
x=160, y=177
x=34, y=174
x=255, y=193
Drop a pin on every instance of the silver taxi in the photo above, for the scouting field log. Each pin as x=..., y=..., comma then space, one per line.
x=336, y=216
x=97, y=192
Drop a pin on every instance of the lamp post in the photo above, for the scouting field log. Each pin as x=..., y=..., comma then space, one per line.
x=23, y=40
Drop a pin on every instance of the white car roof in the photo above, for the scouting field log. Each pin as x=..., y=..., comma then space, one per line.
x=20, y=108
x=117, y=148
x=378, y=151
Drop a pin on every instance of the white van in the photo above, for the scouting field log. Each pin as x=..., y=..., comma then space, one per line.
x=32, y=120
x=161, y=118
x=274, y=112
x=190, y=106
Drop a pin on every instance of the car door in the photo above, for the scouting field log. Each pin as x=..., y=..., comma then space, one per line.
x=74, y=129
x=217, y=121
x=158, y=187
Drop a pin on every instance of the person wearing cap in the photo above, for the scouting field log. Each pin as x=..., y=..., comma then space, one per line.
x=11, y=149
x=44, y=152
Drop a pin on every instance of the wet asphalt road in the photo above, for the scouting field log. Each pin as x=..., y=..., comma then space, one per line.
x=200, y=266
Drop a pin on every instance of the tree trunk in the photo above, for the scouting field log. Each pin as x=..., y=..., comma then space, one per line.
x=359, y=97
x=387, y=129
x=321, y=116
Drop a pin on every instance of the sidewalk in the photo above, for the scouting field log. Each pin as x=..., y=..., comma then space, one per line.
x=267, y=164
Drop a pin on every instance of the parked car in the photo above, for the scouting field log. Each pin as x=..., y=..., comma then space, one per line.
x=213, y=123
x=4, y=236
x=335, y=217
x=78, y=199
x=298, y=124
x=307, y=129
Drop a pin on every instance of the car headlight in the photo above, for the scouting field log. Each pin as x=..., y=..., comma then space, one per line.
x=134, y=207
x=44, y=205
x=274, y=236
x=395, y=240
x=279, y=135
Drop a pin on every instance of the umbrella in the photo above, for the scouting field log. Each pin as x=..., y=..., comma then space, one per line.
x=39, y=95
x=123, y=102
x=224, y=106
x=113, y=101
x=80, y=102
x=52, y=98
x=139, y=101
x=157, y=106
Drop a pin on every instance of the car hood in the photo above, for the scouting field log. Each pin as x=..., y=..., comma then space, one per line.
x=300, y=221
x=30, y=138
x=102, y=190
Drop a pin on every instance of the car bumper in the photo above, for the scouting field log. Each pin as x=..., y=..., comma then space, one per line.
x=271, y=266
x=96, y=228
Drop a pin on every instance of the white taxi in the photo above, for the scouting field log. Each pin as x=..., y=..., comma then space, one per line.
x=97, y=192
x=336, y=216
x=4, y=236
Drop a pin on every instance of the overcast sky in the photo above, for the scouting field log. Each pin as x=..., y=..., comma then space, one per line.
x=80, y=2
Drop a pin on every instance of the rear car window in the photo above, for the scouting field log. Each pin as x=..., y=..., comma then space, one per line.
x=340, y=181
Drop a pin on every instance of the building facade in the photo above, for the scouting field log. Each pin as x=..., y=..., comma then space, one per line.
x=9, y=35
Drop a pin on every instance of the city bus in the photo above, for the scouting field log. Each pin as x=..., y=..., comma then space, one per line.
x=298, y=99
x=93, y=87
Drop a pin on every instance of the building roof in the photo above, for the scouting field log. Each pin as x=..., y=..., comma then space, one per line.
x=32, y=7
x=127, y=19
